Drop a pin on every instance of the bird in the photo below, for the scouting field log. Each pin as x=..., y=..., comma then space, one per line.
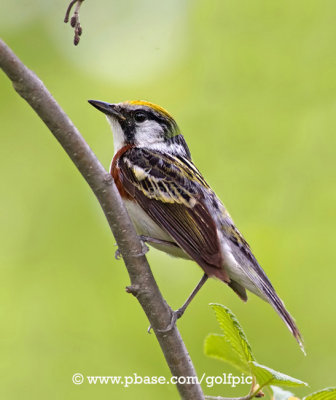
x=174, y=209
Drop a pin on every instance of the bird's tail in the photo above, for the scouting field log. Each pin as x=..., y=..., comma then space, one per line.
x=272, y=298
x=246, y=273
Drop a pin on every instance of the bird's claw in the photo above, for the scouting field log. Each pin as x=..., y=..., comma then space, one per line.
x=172, y=323
x=117, y=254
x=145, y=249
x=175, y=316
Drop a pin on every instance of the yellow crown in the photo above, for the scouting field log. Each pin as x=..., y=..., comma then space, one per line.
x=151, y=105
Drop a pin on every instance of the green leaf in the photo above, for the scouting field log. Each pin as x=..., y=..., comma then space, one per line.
x=281, y=394
x=268, y=376
x=325, y=394
x=233, y=333
x=233, y=347
x=218, y=347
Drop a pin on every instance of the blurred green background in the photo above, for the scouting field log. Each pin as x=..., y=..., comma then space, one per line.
x=252, y=86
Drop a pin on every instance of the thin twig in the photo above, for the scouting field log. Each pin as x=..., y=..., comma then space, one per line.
x=74, y=22
x=228, y=398
x=248, y=397
x=144, y=287
x=254, y=392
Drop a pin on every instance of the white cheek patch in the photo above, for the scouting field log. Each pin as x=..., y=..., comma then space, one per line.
x=118, y=134
x=148, y=133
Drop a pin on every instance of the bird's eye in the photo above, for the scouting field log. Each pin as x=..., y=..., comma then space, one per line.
x=140, y=116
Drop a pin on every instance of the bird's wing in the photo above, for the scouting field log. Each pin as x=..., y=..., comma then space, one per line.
x=170, y=190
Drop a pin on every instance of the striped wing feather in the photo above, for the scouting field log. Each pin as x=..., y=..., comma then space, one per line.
x=169, y=189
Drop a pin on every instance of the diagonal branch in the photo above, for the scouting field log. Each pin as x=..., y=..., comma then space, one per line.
x=143, y=285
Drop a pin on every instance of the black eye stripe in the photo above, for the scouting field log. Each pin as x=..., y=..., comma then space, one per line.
x=136, y=116
x=150, y=114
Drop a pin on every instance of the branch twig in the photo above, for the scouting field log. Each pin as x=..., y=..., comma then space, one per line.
x=143, y=285
x=74, y=22
x=248, y=397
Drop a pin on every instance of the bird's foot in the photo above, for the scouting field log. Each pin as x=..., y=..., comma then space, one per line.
x=117, y=254
x=175, y=316
x=145, y=249
x=178, y=313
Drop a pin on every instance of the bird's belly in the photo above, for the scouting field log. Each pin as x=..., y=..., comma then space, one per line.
x=144, y=225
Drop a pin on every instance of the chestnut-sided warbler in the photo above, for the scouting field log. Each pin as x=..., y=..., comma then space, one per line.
x=173, y=208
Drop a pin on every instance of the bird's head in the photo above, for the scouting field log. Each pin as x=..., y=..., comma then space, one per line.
x=140, y=123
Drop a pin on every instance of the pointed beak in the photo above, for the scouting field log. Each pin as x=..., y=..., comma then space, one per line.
x=108, y=109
